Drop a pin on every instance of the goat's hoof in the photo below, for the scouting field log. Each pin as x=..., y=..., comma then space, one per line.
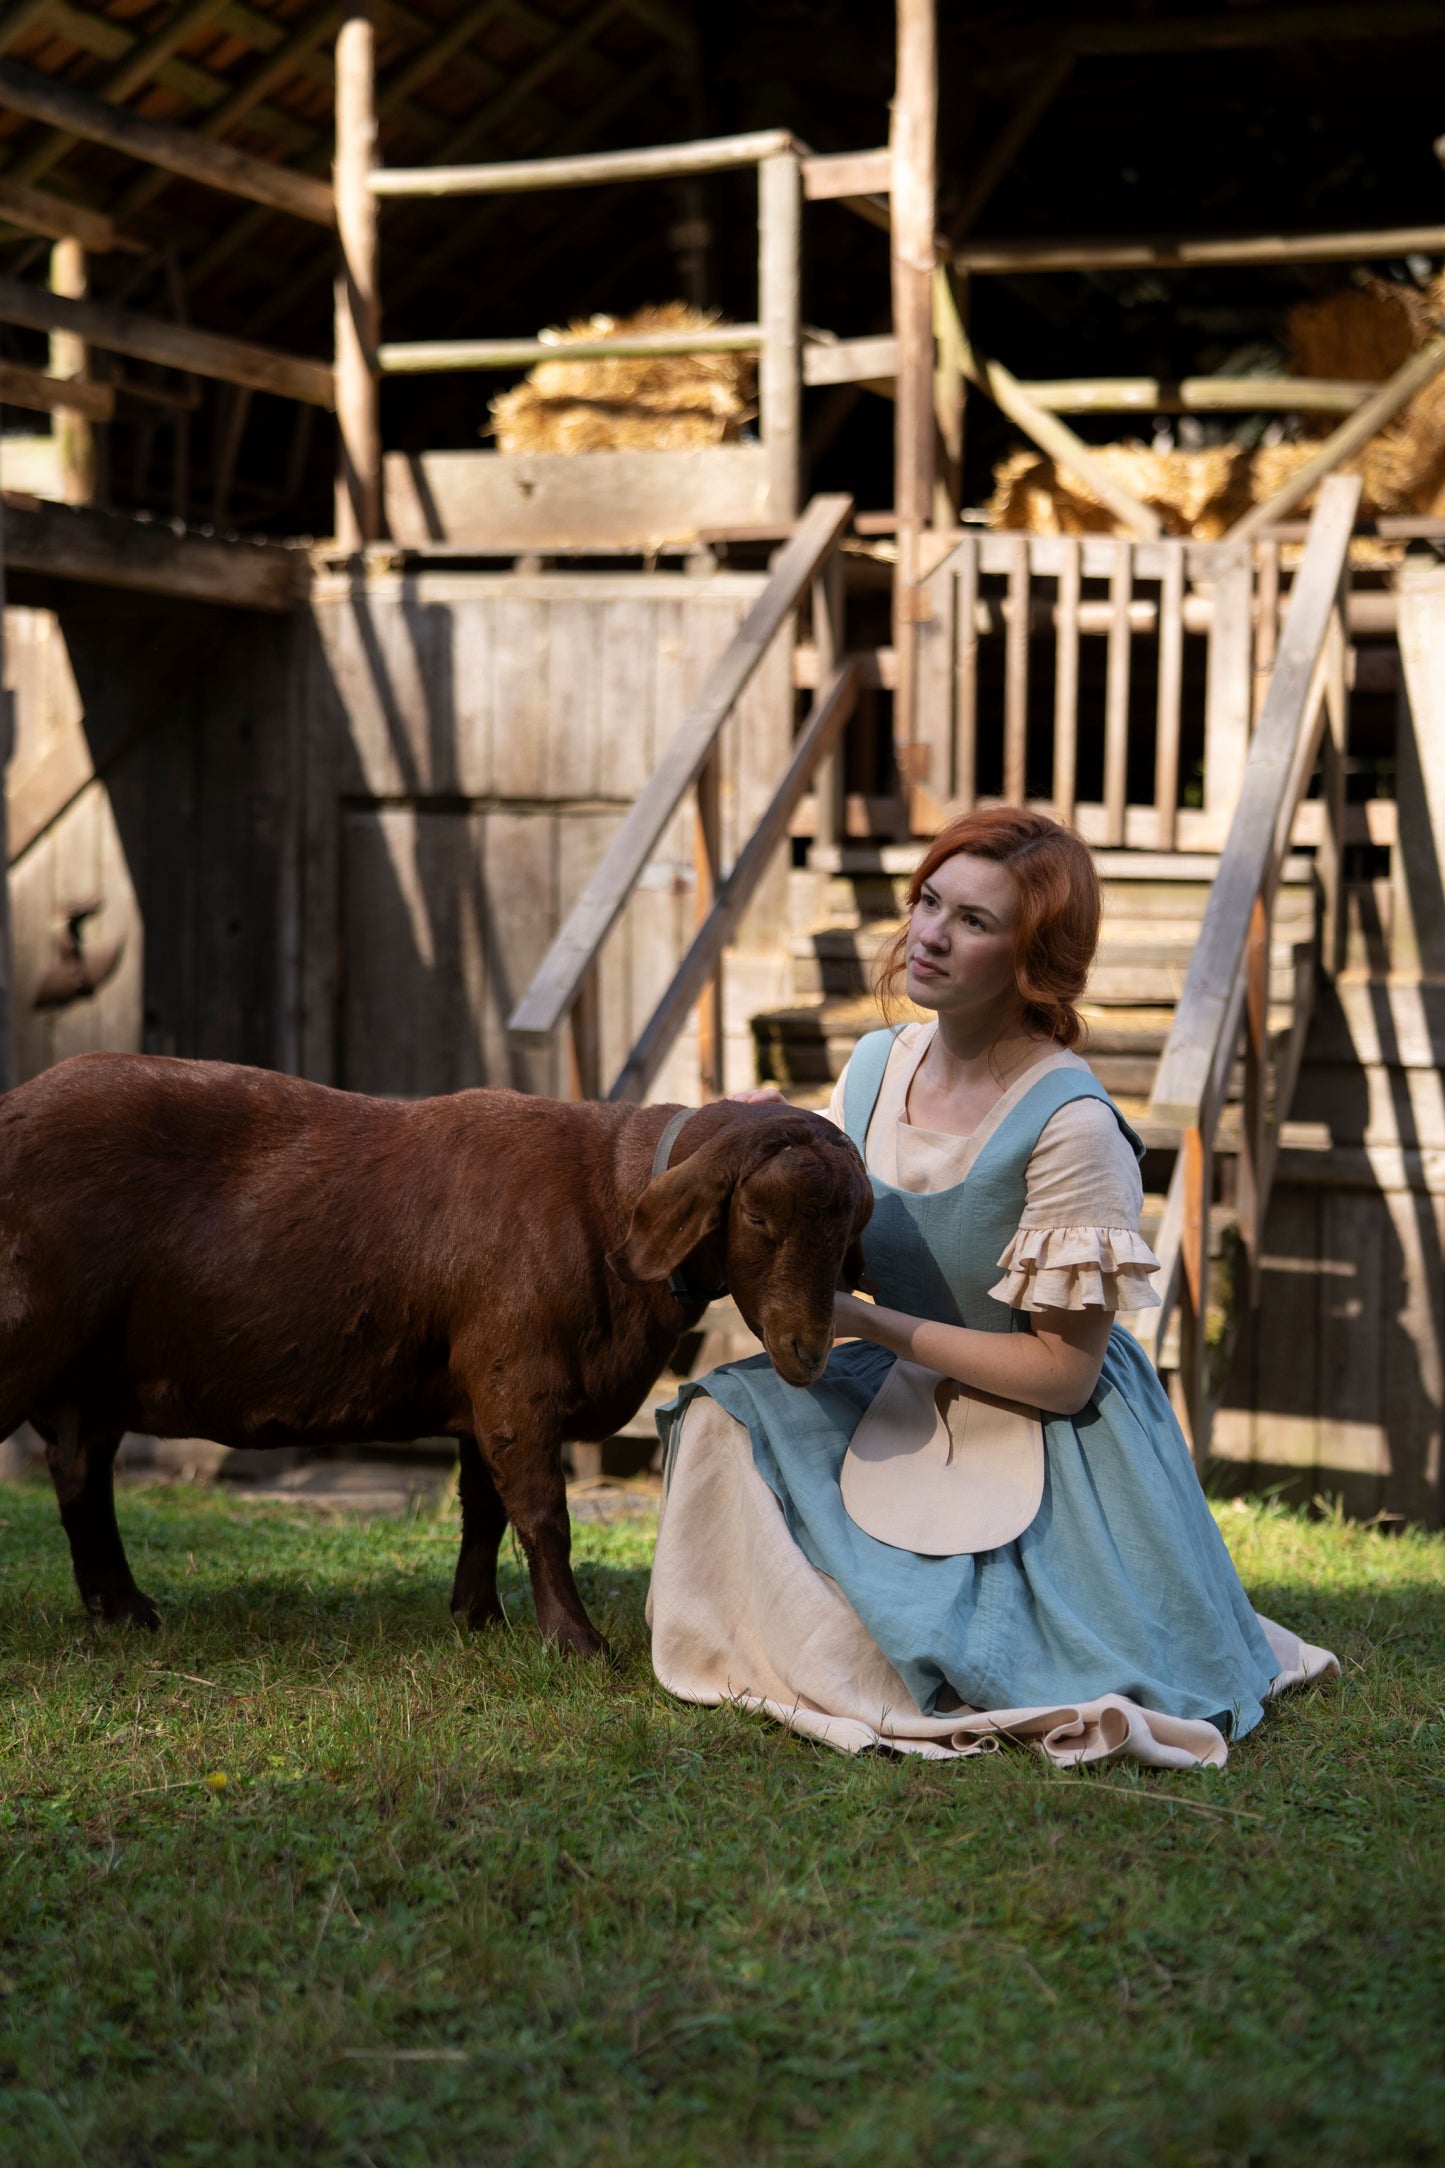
x=114, y=1606
x=582, y=1639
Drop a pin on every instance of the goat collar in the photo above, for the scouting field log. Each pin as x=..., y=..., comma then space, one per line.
x=678, y=1284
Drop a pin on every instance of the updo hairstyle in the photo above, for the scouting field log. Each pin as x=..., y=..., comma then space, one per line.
x=1059, y=909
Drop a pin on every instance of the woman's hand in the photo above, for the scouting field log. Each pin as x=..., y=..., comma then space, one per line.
x=852, y=1318
x=757, y=1096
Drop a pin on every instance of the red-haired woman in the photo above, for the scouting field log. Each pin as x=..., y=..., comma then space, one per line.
x=983, y=1518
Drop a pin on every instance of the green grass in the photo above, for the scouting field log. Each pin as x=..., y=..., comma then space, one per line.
x=462, y=1901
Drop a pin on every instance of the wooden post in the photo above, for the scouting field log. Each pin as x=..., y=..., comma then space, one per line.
x=70, y=360
x=358, y=310
x=1333, y=749
x=829, y=641
x=950, y=387
x=912, y=141
x=1417, y=918
x=8, y=1074
x=780, y=377
x=1194, y=1289
x=584, y=1042
x=1253, y=1175
x=707, y=860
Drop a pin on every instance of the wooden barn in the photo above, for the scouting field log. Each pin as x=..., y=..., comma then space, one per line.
x=521, y=517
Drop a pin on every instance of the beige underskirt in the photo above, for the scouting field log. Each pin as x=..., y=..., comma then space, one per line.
x=739, y=1615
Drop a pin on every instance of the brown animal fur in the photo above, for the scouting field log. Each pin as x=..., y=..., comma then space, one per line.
x=192, y=1249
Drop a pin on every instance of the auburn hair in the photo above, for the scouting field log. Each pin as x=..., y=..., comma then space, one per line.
x=1059, y=909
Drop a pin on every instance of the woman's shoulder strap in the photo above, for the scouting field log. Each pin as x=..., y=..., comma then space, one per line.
x=864, y=1081
x=1058, y=1087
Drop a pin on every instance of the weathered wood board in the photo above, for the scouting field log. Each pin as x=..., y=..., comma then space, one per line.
x=471, y=742
x=598, y=500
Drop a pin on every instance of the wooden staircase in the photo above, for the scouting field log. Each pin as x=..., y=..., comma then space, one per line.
x=1154, y=904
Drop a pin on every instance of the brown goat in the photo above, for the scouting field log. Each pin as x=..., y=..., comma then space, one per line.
x=192, y=1249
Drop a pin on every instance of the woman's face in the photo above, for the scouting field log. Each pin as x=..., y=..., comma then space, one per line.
x=960, y=947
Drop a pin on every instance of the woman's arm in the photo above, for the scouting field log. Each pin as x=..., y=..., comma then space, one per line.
x=1055, y=1367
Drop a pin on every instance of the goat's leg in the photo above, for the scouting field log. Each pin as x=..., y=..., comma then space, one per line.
x=484, y=1517
x=82, y=1468
x=527, y=1472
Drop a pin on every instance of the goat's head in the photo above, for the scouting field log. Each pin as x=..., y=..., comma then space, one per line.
x=785, y=1198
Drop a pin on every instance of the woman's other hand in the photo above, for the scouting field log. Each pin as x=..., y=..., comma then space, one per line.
x=852, y=1318
x=758, y=1096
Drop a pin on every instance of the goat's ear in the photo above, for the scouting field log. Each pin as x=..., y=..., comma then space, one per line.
x=674, y=1213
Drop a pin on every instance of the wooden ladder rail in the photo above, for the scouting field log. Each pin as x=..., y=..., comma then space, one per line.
x=1227, y=984
x=564, y=987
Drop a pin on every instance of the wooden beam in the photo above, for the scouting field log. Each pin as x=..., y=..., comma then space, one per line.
x=780, y=381
x=1367, y=419
x=422, y=357
x=847, y=173
x=1010, y=140
x=913, y=143
x=42, y=394
x=1199, y=395
x=177, y=150
x=1243, y=29
x=527, y=176
x=1169, y=252
x=358, y=302
x=118, y=549
x=74, y=433
x=174, y=346
x=145, y=58
x=851, y=361
x=36, y=210
x=1058, y=440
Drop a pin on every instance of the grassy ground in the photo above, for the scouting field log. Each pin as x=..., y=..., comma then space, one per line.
x=307, y=1877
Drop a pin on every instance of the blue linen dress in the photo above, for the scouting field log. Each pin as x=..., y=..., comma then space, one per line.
x=1122, y=1583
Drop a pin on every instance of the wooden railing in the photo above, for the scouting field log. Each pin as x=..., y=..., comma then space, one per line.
x=564, y=989
x=1226, y=988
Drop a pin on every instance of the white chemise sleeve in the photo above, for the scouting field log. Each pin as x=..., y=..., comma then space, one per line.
x=1078, y=1246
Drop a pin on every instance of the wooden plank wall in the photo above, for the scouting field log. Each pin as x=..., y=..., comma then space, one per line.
x=149, y=778
x=471, y=742
x=1338, y=1380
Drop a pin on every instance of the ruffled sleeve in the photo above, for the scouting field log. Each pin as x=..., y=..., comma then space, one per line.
x=1077, y=1268
x=1078, y=1245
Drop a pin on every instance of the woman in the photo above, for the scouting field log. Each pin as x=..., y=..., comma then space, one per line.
x=983, y=1519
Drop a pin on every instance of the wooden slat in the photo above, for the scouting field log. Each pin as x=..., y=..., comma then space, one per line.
x=523, y=176
x=779, y=289
x=1171, y=685
x=1199, y=395
x=819, y=733
x=42, y=394
x=1066, y=683
x=1134, y=252
x=1227, y=686
x=177, y=150
x=965, y=740
x=357, y=317
x=35, y=210
x=76, y=542
x=847, y=173
x=1016, y=676
x=175, y=346
x=1202, y=1037
x=431, y=356
x=552, y=991
x=1116, y=695
x=707, y=866
x=1266, y=618
x=850, y=361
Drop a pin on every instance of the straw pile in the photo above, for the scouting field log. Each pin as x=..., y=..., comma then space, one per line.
x=1362, y=333
x=656, y=403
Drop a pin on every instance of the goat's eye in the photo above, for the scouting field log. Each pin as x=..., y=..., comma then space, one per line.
x=754, y=1219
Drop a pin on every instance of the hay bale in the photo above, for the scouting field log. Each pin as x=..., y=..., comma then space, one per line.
x=1364, y=332
x=657, y=403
